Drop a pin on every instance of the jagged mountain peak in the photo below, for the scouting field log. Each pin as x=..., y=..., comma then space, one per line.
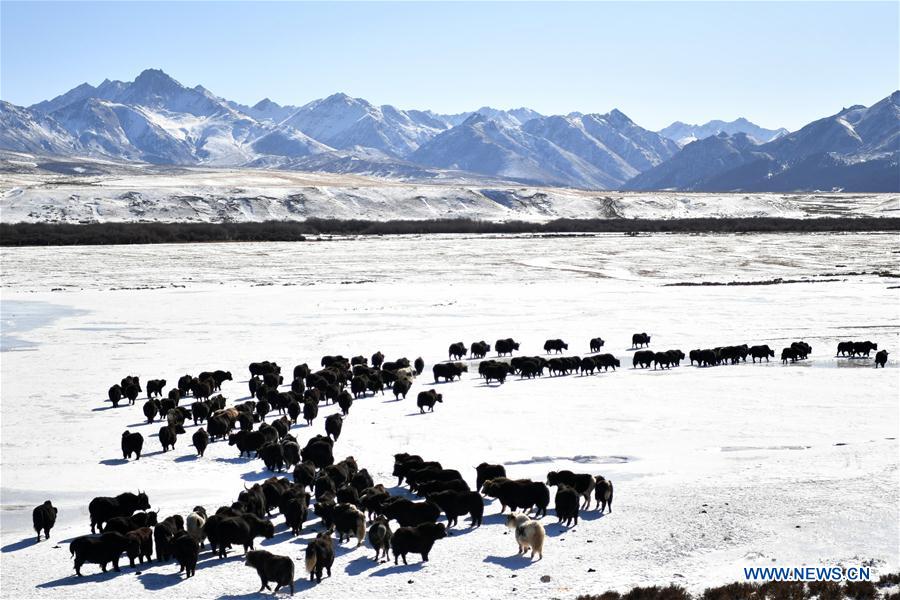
x=155, y=77
x=618, y=116
x=266, y=104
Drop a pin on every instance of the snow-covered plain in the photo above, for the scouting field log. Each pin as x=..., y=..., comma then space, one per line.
x=35, y=189
x=714, y=469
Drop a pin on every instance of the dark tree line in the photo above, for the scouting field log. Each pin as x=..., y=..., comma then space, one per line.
x=64, y=234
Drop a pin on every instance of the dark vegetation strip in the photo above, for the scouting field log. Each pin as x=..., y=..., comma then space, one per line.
x=766, y=282
x=779, y=280
x=63, y=234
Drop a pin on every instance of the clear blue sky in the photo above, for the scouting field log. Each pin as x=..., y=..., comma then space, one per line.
x=778, y=64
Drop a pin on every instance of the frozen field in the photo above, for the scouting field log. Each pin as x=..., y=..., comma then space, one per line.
x=714, y=469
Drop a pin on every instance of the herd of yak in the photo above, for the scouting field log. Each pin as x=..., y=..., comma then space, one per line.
x=343, y=496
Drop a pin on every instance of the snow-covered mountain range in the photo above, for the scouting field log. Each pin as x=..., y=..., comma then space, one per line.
x=684, y=133
x=857, y=149
x=155, y=119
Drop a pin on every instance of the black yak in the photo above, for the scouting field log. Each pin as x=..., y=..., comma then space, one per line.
x=556, y=345
x=115, y=395
x=168, y=435
x=333, y=425
x=486, y=471
x=186, y=550
x=581, y=483
x=104, y=508
x=519, y=493
x=449, y=371
x=427, y=399
x=320, y=552
x=271, y=567
x=760, y=352
x=380, y=537
x=506, y=346
x=102, y=550
x=457, y=351
x=132, y=443
x=567, y=505
x=640, y=339
x=458, y=503
x=603, y=493
x=480, y=349
x=155, y=387
x=43, y=517
x=417, y=540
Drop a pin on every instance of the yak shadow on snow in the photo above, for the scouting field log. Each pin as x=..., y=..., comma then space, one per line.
x=360, y=565
x=513, y=563
x=29, y=541
x=401, y=568
x=342, y=548
x=69, y=540
x=590, y=515
x=494, y=519
x=258, y=475
x=235, y=460
x=557, y=529
x=277, y=538
x=112, y=462
x=187, y=458
x=211, y=560
x=156, y=452
x=252, y=595
x=74, y=579
x=460, y=529
x=300, y=585
x=159, y=581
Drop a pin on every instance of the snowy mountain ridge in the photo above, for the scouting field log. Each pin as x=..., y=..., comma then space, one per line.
x=856, y=149
x=155, y=119
x=685, y=133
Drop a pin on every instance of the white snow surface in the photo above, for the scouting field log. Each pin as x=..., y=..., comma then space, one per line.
x=714, y=469
x=96, y=191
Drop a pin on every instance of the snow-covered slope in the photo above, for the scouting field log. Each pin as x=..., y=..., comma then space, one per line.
x=287, y=141
x=344, y=122
x=590, y=151
x=27, y=131
x=154, y=119
x=699, y=161
x=856, y=150
x=35, y=189
x=265, y=110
